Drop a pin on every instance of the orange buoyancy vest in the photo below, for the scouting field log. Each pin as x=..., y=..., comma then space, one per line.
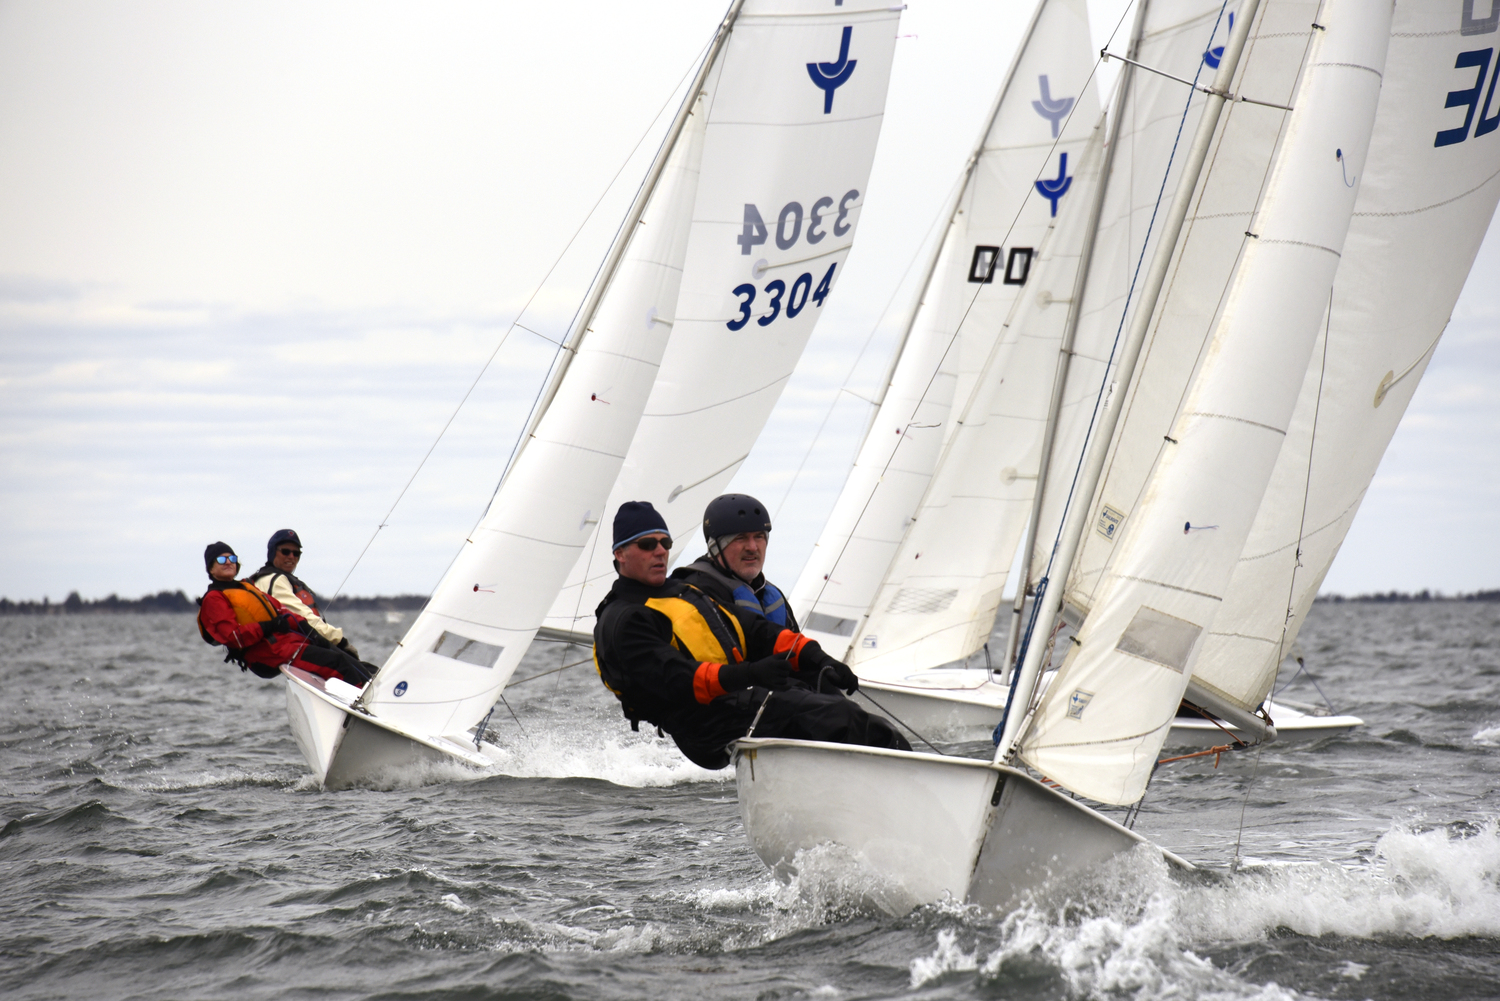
x=249, y=602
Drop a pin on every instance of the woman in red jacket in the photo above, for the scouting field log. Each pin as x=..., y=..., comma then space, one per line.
x=259, y=633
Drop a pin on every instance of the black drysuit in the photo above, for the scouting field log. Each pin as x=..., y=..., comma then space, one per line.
x=660, y=650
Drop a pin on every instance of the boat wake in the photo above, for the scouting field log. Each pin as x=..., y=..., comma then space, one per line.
x=582, y=750
x=1133, y=927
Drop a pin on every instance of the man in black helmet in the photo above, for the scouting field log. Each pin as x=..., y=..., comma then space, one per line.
x=737, y=529
x=690, y=666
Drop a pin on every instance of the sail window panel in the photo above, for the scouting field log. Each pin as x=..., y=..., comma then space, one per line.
x=1160, y=638
x=833, y=625
x=466, y=650
x=922, y=600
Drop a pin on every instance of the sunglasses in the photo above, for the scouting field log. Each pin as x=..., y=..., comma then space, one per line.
x=226, y=559
x=649, y=544
x=290, y=552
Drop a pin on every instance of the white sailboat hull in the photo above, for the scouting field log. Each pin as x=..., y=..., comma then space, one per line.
x=931, y=827
x=948, y=704
x=347, y=747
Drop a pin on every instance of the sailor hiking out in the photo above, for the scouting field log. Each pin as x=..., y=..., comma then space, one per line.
x=279, y=579
x=706, y=675
x=737, y=530
x=260, y=634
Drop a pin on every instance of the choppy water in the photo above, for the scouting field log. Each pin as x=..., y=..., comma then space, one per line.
x=159, y=839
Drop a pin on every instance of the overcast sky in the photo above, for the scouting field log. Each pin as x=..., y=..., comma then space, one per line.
x=252, y=255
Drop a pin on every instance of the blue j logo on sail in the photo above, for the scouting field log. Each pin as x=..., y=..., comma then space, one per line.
x=1213, y=55
x=829, y=77
x=1057, y=187
x=1053, y=111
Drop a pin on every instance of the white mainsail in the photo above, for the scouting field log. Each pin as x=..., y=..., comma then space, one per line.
x=1023, y=175
x=1425, y=201
x=792, y=134
x=785, y=105
x=1100, y=725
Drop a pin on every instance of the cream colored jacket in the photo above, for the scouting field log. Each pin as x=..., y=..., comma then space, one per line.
x=282, y=591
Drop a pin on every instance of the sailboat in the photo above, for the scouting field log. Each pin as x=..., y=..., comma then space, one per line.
x=1195, y=463
x=736, y=237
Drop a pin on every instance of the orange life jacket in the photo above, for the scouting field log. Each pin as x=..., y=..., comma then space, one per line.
x=249, y=602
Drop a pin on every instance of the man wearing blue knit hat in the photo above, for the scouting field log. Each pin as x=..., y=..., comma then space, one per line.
x=684, y=663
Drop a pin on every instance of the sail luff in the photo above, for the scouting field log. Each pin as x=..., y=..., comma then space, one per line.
x=1024, y=687
x=1070, y=332
x=627, y=229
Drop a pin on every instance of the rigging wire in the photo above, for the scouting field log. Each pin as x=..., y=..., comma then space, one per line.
x=384, y=521
x=953, y=338
x=1114, y=347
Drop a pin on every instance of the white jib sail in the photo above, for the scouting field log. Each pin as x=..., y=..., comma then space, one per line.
x=1104, y=718
x=792, y=134
x=1425, y=202
x=938, y=600
x=1021, y=176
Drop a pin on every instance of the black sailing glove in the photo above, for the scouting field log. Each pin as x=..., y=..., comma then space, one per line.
x=275, y=626
x=348, y=648
x=771, y=672
x=819, y=666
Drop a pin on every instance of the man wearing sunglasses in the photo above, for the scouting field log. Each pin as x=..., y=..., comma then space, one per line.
x=693, y=668
x=279, y=579
x=259, y=633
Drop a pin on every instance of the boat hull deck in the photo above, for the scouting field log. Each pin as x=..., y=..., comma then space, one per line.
x=931, y=827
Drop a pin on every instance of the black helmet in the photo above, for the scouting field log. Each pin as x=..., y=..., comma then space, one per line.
x=731, y=514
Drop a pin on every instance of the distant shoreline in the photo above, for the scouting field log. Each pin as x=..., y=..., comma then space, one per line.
x=177, y=601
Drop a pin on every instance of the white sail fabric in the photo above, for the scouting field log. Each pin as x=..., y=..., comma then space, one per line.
x=1420, y=216
x=1023, y=175
x=452, y=664
x=1178, y=37
x=792, y=133
x=938, y=600
x=1102, y=721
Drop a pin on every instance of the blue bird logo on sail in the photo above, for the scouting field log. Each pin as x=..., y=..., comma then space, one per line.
x=829, y=77
x=1052, y=110
x=1055, y=188
x=1213, y=55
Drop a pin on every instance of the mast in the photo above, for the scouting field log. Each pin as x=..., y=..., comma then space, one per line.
x=1077, y=518
x=1065, y=350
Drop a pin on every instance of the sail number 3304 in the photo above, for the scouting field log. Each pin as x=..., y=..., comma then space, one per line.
x=782, y=301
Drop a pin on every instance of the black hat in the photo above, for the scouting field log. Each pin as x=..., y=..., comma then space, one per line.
x=731, y=514
x=215, y=549
x=285, y=535
x=635, y=519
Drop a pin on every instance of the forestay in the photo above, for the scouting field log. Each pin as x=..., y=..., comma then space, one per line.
x=791, y=137
x=1425, y=201
x=1099, y=727
x=1023, y=175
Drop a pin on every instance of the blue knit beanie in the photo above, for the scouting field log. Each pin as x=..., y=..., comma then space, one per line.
x=635, y=519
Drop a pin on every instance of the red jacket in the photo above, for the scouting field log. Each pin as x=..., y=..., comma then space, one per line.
x=217, y=618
